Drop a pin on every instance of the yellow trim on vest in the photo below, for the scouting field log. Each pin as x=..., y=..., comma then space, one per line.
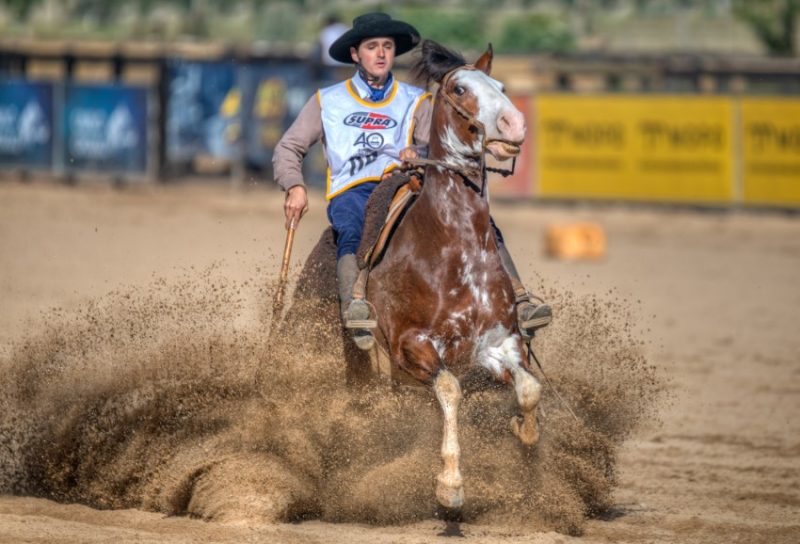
x=350, y=186
x=327, y=181
x=354, y=94
x=388, y=169
x=413, y=115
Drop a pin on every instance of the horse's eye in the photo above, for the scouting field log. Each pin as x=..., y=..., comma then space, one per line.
x=459, y=90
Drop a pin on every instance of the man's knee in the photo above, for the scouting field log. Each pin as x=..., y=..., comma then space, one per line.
x=347, y=241
x=346, y=214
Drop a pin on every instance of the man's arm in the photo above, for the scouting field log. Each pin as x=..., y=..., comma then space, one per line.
x=287, y=159
x=422, y=132
x=422, y=123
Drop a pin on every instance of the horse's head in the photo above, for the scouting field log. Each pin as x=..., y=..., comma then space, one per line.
x=473, y=115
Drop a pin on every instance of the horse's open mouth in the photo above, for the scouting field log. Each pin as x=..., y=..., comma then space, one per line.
x=502, y=150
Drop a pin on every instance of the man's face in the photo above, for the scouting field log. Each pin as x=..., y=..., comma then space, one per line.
x=376, y=56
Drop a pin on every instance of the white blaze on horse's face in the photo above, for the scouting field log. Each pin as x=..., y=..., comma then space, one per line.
x=504, y=124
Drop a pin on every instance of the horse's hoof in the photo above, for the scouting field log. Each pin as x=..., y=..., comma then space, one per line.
x=450, y=496
x=449, y=489
x=527, y=434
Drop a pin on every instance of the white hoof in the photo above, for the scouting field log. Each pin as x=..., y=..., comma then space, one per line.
x=449, y=496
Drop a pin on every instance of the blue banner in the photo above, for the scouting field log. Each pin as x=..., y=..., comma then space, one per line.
x=26, y=124
x=202, y=111
x=236, y=112
x=105, y=128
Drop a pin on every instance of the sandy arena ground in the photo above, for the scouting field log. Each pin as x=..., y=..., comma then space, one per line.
x=716, y=296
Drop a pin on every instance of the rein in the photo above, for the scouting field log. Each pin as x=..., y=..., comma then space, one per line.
x=564, y=403
x=466, y=178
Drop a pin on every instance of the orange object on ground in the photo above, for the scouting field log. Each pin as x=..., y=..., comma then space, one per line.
x=576, y=241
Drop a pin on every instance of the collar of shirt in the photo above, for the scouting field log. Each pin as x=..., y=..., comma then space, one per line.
x=368, y=93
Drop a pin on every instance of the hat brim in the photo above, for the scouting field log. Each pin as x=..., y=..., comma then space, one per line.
x=405, y=37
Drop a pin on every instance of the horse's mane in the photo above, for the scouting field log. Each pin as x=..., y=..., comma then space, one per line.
x=434, y=62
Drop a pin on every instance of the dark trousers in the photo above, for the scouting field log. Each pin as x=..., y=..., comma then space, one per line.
x=346, y=214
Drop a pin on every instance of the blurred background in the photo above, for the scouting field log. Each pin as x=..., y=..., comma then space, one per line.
x=690, y=101
x=136, y=198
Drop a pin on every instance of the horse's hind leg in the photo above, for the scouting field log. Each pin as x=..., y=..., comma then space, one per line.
x=449, y=488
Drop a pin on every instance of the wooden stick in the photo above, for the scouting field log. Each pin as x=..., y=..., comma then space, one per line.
x=277, y=305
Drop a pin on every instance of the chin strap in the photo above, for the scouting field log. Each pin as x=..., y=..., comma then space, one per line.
x=363, y=73
x=503, y=172
x=376, y=95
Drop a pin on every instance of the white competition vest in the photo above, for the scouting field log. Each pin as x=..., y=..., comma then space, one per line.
x=363, y=139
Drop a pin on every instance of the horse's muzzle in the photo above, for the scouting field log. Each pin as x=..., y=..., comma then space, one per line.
x=502, y=149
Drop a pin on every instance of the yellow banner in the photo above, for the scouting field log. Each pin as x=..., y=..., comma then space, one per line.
x=771, y=151
x=661, y=148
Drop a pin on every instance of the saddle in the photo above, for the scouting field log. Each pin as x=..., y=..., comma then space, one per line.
x=385, y=209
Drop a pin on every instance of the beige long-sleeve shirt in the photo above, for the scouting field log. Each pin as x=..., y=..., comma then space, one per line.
x=287, y=159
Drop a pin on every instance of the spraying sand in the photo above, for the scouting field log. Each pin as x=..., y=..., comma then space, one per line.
x=155, y=386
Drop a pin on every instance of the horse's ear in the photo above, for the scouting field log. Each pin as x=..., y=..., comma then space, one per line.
x=484, y=64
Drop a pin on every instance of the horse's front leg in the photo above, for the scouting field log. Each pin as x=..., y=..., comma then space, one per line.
x=420, y=358
x=528, y=390
x=449, y=488
x=501, y=353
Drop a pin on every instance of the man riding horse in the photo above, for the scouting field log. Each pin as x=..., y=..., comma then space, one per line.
x=369, y=125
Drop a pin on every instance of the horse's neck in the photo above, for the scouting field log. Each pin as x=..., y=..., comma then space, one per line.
x=447, y=199
x=445, y=184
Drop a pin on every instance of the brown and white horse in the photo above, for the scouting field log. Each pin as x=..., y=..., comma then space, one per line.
x=444, y=302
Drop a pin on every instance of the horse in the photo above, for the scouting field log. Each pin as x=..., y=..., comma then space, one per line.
x=443, y=300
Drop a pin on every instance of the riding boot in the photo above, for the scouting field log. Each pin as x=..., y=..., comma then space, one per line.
x=355, y=312
x=531, y=315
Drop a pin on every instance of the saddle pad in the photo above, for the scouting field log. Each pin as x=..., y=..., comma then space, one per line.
x=401, y=199
x=377, y=214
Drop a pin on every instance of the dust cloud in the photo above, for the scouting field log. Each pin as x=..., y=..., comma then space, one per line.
x=174, y=398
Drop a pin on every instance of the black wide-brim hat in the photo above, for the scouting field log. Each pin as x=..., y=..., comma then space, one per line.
x=374, y=25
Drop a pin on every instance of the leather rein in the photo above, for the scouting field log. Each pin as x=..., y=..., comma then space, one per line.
x=480, y=129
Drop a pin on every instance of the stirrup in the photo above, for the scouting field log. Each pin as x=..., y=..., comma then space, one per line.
x=544, y=317
x=361, y=324
x=538, y=316
x=362, y=319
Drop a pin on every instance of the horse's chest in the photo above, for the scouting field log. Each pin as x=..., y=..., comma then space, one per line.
x=476, y=278
x=477, y=296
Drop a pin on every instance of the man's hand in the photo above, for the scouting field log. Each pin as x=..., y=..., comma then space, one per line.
x=296, y=205
x=408, y=153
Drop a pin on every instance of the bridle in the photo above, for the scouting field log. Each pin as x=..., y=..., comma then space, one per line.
x=479, y=128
